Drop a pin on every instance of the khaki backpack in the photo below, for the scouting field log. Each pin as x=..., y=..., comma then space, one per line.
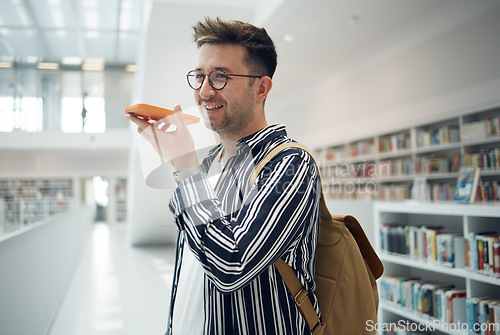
x=346, y=270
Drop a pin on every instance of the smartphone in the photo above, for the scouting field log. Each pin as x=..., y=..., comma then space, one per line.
x=150, y=112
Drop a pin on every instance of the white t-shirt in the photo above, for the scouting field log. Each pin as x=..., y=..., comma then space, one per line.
x=188, y=314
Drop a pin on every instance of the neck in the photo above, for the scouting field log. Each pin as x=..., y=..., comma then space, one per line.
x=229, y=142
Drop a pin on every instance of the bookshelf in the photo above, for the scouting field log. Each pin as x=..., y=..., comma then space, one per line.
x=426, y=247
x=121, y=199
x=388, y=166
x=27, y=200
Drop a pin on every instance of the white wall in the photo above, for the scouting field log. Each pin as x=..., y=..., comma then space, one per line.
x=441, y=67
x=118, y=86
x=362, y=210
x=434, y=68
x=166, y=54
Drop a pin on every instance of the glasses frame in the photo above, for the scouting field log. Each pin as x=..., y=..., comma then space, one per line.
x=210, y=80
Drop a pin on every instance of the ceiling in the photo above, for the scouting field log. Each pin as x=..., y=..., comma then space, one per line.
x=315, y=39
x=69, y=30
x=76, y=30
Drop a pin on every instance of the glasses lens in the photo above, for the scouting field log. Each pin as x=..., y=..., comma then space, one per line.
x=195, y=79
x=218, y=79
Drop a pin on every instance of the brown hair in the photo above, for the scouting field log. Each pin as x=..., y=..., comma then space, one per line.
x=261, y=52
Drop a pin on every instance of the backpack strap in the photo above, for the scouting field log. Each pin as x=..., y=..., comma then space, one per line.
x=300, y=296
x=273, y=152
x=299, y=293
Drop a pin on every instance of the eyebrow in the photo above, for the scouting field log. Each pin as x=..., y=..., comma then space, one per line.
x=224, y=69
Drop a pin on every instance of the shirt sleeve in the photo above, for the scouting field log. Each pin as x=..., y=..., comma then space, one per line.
x=279, y=210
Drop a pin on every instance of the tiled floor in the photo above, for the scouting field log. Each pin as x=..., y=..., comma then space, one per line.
x=117, y=289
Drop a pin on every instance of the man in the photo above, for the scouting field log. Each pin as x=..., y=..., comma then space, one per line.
x=231, y=233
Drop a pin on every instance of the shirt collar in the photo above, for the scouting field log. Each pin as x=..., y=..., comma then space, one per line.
x=256, y=140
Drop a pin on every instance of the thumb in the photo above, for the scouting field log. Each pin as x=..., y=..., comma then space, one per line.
x=177, y=108
x=178, y=116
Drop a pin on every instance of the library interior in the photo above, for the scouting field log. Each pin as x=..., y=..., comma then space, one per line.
x=398, y=100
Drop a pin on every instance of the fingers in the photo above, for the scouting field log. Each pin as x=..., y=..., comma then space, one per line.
x=141, y=123
x=179, y=117
x=172, y=122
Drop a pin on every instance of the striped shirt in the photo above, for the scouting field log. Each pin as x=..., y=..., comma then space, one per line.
x=238, y=231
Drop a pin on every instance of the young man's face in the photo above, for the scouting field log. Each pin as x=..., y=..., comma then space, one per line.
x=230, y=110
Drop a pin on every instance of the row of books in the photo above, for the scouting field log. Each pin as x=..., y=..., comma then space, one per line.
x=407, y=328
x=432, y=164
x=396, y=167
x=15, y=188
x=489, y=127
x=483, y=253
x=442, y=191
x=393, y=143
x=390, y=143
x=487, y=191
x=442, y=135
x=485, y=159
x=344, y=170
x=483, y=315
x=443, y=302
x=424, y=243
x=394, y=192
x=350, y=191
x=330, y=154
x=391, y=167
x=479, y=252
x=388, y=168
x=362, y=148
x=389, y=192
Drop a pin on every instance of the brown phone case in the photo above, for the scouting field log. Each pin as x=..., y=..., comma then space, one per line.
x=156, y=113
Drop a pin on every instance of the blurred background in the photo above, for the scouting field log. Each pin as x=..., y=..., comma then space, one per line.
x=86, y=247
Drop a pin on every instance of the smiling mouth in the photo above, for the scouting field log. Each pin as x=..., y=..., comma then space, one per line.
x=211, y=108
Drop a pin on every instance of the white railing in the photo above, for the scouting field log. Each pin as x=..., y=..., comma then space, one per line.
x=37, y=263
x=2, y=215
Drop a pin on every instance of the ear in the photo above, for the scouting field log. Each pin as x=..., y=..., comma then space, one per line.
x=264, y=86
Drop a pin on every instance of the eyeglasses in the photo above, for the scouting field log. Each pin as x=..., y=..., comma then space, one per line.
x=217, y=79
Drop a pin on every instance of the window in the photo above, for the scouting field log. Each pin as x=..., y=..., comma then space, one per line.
x=51, y=101
x=6, y=100
x=27, y=102
x=93, y=90
x=67, y=100
x=83, y=107
x=71, y=117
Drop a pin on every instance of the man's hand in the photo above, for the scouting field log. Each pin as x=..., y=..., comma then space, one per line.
x=175, y=146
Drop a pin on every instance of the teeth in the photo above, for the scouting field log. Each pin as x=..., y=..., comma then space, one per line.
x=212, y=107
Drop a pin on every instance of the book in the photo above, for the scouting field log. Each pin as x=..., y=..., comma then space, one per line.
x=492, y=326
x=429, y=297
x=472, y=310
x=467, y=182
x=456, y=306
x=459, y=244
x=496, y=259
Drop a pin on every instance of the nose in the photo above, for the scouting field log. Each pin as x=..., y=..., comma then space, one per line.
x=206, y=90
